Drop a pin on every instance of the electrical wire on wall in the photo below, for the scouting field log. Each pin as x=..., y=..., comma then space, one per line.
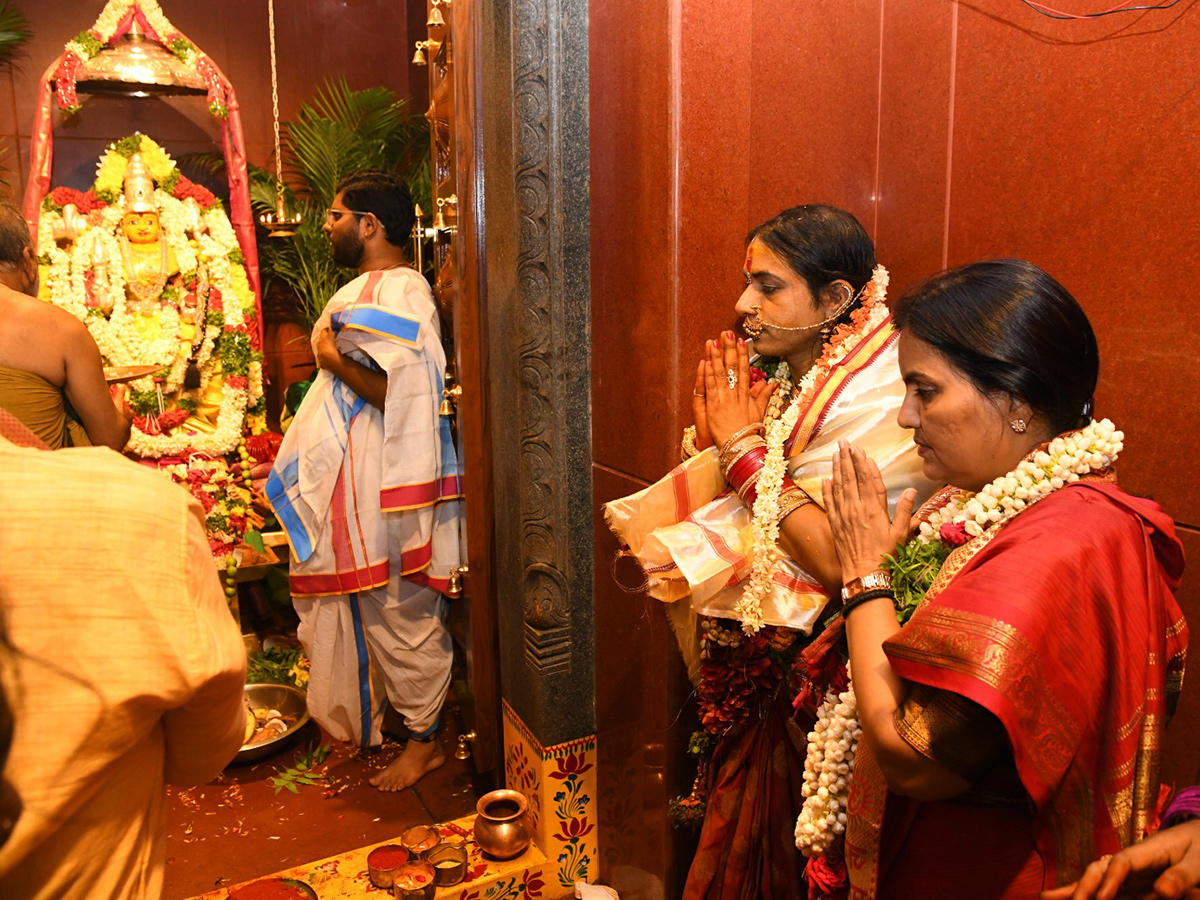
x=1052, y=13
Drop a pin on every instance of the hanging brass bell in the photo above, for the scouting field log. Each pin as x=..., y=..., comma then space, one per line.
x=455, y=585
x=450, y=394
x=463, y=750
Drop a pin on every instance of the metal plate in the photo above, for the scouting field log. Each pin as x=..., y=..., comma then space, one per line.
x=121, y=374
x=288, y=700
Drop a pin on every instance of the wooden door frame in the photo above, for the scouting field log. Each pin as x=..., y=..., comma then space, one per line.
x=471, y=362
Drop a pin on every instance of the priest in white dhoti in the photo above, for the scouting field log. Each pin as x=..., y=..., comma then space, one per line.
x=367, y=487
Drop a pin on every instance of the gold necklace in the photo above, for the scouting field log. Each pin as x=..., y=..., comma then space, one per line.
x=142, y=289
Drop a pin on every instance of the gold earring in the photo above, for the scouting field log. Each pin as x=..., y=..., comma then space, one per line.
x=1017, y=425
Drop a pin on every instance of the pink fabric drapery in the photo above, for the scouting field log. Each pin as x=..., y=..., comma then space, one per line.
x=41, y=157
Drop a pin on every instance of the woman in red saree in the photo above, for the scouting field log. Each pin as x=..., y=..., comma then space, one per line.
x=1010, y=730
x=755, y=564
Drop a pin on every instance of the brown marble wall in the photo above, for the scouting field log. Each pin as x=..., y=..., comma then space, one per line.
x=955, y=133
x=368, y=42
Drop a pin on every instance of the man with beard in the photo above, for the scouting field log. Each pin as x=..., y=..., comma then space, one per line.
x=366, y=486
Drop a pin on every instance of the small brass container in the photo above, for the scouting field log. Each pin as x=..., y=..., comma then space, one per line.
x=449, y=864
x=419, y=840
x=414, y=881
x=382, y=863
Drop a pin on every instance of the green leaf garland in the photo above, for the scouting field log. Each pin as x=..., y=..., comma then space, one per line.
x=913, y=567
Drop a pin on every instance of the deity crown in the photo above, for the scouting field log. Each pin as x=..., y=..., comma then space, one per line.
x=139, y=186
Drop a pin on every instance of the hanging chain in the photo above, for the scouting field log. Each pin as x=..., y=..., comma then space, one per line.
x=275, y=110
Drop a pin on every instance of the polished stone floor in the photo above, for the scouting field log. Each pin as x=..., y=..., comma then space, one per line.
x=238, y=827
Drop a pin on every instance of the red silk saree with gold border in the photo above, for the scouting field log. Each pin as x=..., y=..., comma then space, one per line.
x=1062, y=624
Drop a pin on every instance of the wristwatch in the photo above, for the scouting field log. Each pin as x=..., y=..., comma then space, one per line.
x=870, y=581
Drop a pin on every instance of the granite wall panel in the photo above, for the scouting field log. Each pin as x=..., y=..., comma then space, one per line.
x=814, y=106
x=916, y=93
x=955, y=132
x=1073, y=147
x=716, y=146
x=634, y=320
x=644, y=718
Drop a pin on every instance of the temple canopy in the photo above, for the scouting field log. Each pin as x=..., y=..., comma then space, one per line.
x=132, y=48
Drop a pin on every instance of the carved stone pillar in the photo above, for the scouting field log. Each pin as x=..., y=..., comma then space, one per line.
x=536, y=172
x=534, y=87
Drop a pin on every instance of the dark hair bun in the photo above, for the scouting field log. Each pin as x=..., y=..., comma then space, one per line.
x=1012, y=329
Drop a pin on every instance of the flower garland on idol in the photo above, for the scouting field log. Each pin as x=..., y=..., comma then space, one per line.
x=778, y=425
x=961, y=516
x=228, y=506
x=87, y=44
x=89, y=274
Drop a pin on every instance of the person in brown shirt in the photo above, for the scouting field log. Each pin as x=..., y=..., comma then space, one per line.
x=121, y=665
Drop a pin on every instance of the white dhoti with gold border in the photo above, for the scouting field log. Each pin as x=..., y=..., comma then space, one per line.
x=371, y=503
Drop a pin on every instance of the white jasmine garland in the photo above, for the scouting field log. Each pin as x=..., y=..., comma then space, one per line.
x=765, y=526
x=832, y=745
x=1066, y=459
x=827, y=771
x=223, y=440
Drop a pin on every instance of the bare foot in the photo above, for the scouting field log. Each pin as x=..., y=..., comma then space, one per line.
x=414, y=761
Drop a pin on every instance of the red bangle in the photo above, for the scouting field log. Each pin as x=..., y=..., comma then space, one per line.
x=749, y=491
x=748, y=464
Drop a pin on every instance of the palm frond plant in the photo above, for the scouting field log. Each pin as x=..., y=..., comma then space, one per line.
x=339, y=132
x=14, y=31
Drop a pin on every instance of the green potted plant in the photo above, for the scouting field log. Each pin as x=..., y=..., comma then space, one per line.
x=339, y=132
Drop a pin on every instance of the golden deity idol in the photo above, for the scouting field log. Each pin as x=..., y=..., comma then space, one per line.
x=150, y=263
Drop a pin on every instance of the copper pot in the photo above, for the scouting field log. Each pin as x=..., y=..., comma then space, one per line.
x=503, y=829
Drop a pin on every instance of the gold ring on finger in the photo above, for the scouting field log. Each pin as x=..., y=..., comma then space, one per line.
x=731, y=378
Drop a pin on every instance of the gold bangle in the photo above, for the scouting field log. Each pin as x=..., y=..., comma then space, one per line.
x=746, y=445
x=741, y=433
x=688, y=448
x=724, y=458
x=792, y=500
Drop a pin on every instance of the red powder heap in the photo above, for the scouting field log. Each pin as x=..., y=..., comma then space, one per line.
x=389, y=856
